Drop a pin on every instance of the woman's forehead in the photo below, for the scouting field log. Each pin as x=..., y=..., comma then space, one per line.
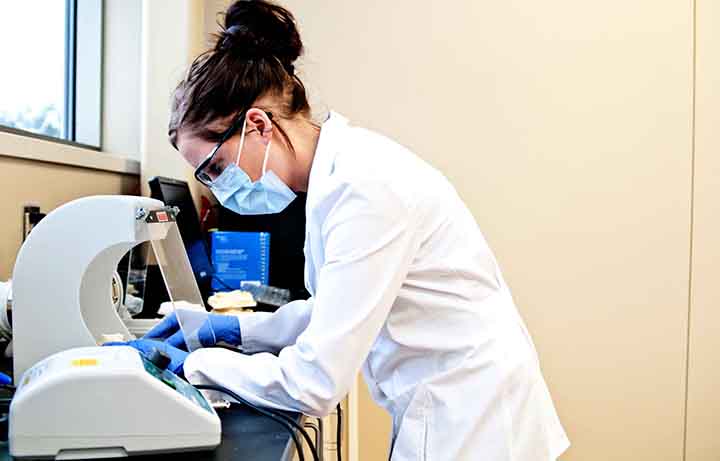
x=193, y=147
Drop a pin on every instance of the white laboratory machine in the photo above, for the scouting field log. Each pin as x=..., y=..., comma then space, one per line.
x=75, y=399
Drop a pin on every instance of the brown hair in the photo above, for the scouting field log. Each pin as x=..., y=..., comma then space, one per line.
x=253, y=56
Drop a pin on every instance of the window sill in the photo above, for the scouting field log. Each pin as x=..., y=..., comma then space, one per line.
x=18, y=146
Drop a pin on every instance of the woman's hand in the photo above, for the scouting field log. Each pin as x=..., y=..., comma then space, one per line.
x=217, y=328
x=146, y=347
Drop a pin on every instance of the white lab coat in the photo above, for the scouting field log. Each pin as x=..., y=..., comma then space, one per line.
x=405, y=287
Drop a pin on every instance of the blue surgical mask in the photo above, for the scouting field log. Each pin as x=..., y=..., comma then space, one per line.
x=237, y=192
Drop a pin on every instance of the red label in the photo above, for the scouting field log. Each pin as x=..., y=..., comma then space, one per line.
x=162, y=216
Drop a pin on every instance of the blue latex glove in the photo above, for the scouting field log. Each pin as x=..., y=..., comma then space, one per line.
x=226, y=328
x=146, y=347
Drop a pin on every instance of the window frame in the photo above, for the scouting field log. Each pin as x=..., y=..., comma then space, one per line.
x=84, y=29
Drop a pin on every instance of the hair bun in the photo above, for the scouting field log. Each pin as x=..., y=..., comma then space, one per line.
x=260, y=29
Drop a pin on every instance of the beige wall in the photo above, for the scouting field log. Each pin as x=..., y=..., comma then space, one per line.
x=703, y=443
x=47, y=185
x=173, y=33
x=121, y=77
x=566, y=127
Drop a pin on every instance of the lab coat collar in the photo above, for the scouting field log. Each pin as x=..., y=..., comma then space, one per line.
x=328, y=147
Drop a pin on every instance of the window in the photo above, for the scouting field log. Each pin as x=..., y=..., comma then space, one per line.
x=50, y=85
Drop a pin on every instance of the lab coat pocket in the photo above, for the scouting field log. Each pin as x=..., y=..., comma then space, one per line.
x=411, y=439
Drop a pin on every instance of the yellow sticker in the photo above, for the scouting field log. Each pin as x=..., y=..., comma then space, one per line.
x=85, y=362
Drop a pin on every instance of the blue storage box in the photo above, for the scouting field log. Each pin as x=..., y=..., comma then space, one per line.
x=238, y=257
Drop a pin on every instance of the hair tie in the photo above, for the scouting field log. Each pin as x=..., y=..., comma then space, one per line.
x=229, y=35
x=232, y=30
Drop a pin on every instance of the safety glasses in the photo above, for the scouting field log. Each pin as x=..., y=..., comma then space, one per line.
x=207, y=171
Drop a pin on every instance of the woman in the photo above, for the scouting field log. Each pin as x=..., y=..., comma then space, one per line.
x=403, y=283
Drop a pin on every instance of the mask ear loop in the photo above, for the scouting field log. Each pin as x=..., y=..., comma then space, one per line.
x=267, y=151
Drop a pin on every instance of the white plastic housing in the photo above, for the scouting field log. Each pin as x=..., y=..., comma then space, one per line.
x=63, y=275
x=99, y=402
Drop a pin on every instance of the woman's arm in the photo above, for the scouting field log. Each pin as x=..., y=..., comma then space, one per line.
x=369, y=245
x=271, y=332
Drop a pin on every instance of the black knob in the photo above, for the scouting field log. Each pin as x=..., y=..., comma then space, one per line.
x=160, y=359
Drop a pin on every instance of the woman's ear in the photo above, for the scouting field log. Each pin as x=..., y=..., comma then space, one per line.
x=257, y=119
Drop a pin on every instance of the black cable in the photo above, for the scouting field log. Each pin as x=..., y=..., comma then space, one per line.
x=303, y=432
x=280, y=418
x=338, y=442
x=275, y=417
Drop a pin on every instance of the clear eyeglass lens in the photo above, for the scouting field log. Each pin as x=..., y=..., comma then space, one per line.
x=220, y=159
x=212, y=170
x=204, y=178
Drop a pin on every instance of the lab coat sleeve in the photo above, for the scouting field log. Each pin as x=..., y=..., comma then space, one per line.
x=271, y=332
x=368, y=247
